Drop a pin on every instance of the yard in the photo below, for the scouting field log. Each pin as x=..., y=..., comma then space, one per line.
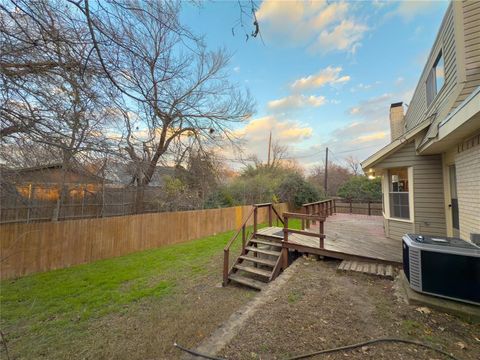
x=136, y=306
x=130, y=307
x=320, y=308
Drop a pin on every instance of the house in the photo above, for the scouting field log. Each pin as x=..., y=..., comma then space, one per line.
x=431, y=168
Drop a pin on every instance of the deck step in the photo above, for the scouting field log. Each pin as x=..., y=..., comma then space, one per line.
x=266, y=242
x=247, y=281
x=269, y=237
x=253, y=270
x=263, y=251
x=258, y=260
x=382, y=270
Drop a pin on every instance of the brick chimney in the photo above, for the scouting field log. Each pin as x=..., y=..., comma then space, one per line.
x=397, y=120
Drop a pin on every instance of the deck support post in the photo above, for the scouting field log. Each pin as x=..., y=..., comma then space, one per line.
x=321, y=227
x=225, y=267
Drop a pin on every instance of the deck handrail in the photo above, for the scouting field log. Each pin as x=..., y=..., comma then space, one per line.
x=324, y=207
x=286, y=230
x=253, y=211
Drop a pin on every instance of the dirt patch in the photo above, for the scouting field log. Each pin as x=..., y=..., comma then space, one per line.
x=320, y=308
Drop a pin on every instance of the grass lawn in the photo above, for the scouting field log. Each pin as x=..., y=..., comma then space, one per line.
x=130, y=307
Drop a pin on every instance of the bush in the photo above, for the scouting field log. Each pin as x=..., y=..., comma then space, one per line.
x=362, y=189
x=296, y=191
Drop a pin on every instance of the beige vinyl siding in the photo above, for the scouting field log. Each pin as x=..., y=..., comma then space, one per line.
x=471, y=24
x=443, y=102
x=397, y=229
x=467, y=164
x=428, y=203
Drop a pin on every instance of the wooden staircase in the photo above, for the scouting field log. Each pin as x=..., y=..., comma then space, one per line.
x=259, y=264
x=263, y=256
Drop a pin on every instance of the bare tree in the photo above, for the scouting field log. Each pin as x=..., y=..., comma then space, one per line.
x=171, y=90
x=353, y=164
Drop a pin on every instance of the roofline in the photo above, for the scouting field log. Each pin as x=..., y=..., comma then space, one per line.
x=462, y=113
x=394, y=145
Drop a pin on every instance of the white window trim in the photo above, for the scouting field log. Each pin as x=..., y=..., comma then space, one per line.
x=386, y=197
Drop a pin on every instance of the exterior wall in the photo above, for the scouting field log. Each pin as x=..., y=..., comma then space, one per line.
x=467, y=164
x=443, y=102
x=396, y=229
x=428, y=193
x=471, y=38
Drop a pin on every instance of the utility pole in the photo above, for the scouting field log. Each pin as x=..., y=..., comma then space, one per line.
x=269, y=148
x=325, y=183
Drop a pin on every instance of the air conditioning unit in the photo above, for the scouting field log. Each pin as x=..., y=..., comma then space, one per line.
x=442, y=266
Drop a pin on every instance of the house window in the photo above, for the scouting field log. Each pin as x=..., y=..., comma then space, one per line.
x=399, y=193
x=435, y=79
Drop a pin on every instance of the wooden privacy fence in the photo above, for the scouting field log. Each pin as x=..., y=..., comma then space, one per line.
x=36, y=247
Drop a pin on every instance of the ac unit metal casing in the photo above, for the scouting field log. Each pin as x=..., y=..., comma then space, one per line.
x=442, y=266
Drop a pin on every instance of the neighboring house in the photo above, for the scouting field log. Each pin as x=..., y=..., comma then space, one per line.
x=47, y=181
x=431, y=169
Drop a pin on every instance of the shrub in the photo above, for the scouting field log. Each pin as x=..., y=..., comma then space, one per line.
x=362, y=189
x=296, y=191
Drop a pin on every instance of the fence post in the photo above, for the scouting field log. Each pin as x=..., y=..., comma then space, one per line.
x=334, y=206
x=369, y=209
x=350, y=206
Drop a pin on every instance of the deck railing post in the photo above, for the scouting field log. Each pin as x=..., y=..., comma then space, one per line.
x=369, y=208
x=244, y=236
x=284, y=243
x=255, y=220
x=307, y=211
x=225, y=267
x=270, y=215
x=334, y=206
x=350, y=206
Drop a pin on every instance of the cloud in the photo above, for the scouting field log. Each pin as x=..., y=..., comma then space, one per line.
x=321, y=26
x=345, y=36
x=284, y=130
x=329, y=75
x=236, y=69
x=410, y=9
x=373, y=136
x=399, y=80
x=296, y=101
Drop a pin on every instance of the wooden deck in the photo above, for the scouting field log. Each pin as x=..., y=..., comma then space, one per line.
x=348, y=236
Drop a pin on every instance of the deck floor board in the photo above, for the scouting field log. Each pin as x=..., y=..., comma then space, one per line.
x=355, y=235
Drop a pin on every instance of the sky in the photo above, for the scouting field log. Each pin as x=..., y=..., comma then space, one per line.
x=323, y=73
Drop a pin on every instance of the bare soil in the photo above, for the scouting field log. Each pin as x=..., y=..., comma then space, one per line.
x=320, y=308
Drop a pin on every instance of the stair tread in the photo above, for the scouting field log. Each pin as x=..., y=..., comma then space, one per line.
x=258, y=260
x=263, y=251
x=265, y=242
x=254, y=270
x=265, y=236
x=247, y=281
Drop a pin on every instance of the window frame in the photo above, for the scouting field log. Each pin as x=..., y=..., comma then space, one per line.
x=386, y=196
x=431, y=84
